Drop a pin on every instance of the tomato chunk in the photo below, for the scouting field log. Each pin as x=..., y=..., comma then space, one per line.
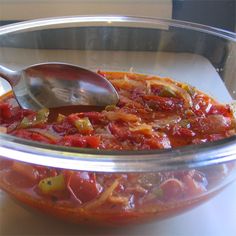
x=163, y=103
x=5, y=111
x=193, y=188
x=211, y=124
x=219, y=109
x=78, y=140
x=26, y=170
x=172, y=189
x=83, y=186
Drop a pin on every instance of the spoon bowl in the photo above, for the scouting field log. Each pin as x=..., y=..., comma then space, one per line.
x=55, y=85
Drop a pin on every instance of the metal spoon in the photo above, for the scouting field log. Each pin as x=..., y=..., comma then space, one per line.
x=55, y=85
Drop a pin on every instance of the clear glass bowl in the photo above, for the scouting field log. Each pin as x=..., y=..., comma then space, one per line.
x=199, y=55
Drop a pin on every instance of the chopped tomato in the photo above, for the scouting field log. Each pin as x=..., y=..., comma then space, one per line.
x=26, y=170
x=172, y=189
x=78, y=140
x=182, y=131
x=163, y=103
x=211, y=124
x=83, y=186
x=93, y=141
x=218, y=109
x=157, y=142
x=64, y=127
x=5, y=110
x=94, y=117
x=119, y=131
x=5, y=163
x=192, y=187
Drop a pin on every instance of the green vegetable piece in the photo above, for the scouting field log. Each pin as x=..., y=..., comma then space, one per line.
x=25, y=123
x=60, y=118
x=52, y=184
x=40, y=118
x=188, y=88
x=167, y=92
x=83, y=125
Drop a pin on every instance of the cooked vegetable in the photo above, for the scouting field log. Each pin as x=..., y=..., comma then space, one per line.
x=26, y=170
x=42, y=115
x=39, y=118
x=172, y=88
x=83, y=186
x=60, y=118
x=48, y=134
x=127, y=83
x=104, y=196
x=25, y=123
x=121, y=116
x=190, y=89
x=83, y=125
x=172, y=188
x=52, y=184
x=142, y=129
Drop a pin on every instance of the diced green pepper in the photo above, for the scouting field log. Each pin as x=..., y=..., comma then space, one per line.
x=52, y=184
x=25, y=123
x=83, y=125
x=41, y=117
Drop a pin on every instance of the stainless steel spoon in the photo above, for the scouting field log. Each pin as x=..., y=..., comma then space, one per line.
x=55, y=85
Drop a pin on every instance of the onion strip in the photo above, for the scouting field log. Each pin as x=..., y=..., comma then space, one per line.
x=46, y=134
x=104, y=196
x=121, y=116
x=177, y=90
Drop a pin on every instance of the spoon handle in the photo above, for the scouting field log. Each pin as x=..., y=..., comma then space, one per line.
x=11, y=76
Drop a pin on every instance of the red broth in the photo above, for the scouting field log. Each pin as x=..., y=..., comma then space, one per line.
x=153, y=113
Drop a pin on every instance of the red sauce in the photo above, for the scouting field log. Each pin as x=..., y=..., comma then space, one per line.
x=153, y=113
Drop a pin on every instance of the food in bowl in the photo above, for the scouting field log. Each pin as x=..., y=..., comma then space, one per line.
x=153, y=113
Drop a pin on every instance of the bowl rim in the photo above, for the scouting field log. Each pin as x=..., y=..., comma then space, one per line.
x=191, y=156
x=35, y=23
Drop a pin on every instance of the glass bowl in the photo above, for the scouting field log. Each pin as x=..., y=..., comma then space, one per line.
x=196, y=54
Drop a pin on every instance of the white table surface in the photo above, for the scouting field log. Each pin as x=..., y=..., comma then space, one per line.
x=216, y=217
